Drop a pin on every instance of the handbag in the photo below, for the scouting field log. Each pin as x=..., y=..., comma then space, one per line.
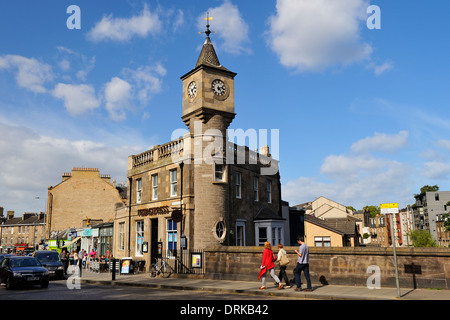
x=284, y=260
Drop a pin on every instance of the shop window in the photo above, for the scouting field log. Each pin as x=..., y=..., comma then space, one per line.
x=172, y=238
x=139, y=237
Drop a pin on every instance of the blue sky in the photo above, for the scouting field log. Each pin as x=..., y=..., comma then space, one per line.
x=363, y=115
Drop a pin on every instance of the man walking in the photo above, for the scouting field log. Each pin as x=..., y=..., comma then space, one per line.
x=302, y=264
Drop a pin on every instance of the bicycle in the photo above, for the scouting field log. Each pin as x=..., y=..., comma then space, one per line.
x=161, y=268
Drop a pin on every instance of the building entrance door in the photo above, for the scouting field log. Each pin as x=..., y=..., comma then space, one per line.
x=154, y=241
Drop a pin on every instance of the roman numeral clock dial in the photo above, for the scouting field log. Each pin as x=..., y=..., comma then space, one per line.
x=192, y=89
x=218, y=87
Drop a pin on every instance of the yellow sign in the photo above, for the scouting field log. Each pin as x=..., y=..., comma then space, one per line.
x=388, y=205
x=387, y=208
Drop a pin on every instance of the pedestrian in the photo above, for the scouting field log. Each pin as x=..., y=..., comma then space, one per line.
x=75, y=258
x=283, y=261
x=65, y=260
x=302, y=264
x=268, y=266
x=80, y=260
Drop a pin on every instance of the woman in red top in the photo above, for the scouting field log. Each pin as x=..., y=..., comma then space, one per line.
x=268, y=265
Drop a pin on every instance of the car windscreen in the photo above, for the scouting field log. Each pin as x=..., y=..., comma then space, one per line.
x=17, y=263
x=47, y=257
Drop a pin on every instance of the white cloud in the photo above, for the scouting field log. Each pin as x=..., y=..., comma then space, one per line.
x=29, y=72
x=124, y=29
x=117, y=96
x=147, y=80
x=379, y=69
x=31, y=162
x=382, y=142
x=230, y=27
x=315, y=35
x=444, y=144
x=436, y=170
x=358, y=178
x=78, y=99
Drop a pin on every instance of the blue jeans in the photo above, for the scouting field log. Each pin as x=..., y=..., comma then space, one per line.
x=298, y=271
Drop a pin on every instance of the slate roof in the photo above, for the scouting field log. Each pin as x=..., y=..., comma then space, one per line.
x=343, y=226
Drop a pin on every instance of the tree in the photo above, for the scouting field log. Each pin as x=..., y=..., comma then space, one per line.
x=427, y=188
x=351, y=208
x=373, y=210
x=446, y=218
x=421, y=238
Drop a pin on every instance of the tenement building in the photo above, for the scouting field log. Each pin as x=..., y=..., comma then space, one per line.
x=200, y=190
x=83, y=195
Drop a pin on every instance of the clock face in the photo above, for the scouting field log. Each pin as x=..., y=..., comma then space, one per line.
x=218, y=87
x=192, y=89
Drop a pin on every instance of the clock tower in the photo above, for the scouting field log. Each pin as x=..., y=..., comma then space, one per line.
x=208, y=109
x=208, y=89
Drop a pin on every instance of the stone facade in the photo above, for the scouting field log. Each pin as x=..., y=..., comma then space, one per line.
x=339, y=266
x=200, y=186
x=21, y=232
x=83, y=194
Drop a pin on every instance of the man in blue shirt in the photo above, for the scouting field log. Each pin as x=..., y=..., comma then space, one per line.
x=302, y=264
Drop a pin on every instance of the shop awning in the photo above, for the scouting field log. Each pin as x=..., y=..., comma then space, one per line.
x=72, y=242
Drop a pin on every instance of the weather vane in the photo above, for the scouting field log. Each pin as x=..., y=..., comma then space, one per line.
x=207, y=32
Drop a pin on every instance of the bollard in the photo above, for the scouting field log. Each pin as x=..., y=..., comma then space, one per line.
x=113, y=269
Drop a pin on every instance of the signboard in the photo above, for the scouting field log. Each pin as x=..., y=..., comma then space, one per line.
x=387, y=208
x=196, y=260
x=125, y=267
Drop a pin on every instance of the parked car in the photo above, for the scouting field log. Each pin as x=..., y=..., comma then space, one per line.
x=51, y=261
x=4, y=255
x=19, y=270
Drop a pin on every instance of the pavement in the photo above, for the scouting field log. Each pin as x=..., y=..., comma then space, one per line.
x=319, y=292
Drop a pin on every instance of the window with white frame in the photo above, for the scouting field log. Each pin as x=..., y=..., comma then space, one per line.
x=173, y=183
x=139, y=237
x=138, y=190
x=322, y=241
x=238, y=185
x=276, y=235
x=262, y=235
x=269, y=191
x=155, y=187
x=219, y=172
x=255, y=189
x=269, y=230
x=240, y=232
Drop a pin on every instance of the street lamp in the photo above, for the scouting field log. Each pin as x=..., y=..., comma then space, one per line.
x=45, y=218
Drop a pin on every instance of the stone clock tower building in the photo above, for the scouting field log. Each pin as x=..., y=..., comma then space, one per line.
x=200, y=191
x=208, y=109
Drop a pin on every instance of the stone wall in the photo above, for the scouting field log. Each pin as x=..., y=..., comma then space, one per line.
x=339, y=266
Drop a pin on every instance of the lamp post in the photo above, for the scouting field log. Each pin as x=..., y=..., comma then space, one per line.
x=45, y=218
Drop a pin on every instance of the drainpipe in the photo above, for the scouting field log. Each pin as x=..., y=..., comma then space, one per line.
x=130, y=183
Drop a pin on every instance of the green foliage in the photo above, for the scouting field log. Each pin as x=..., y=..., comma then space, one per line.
x=373, y=210
x=351, y=208
x=421, y=238
x=446, y=221
x=427, y=188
